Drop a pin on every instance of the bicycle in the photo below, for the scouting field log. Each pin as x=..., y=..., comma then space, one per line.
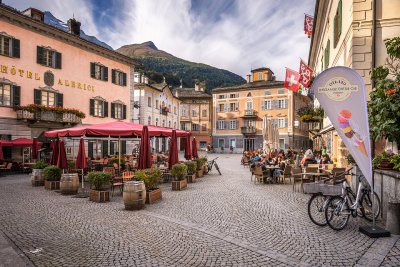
x=340, y=207
x=211, y=163
x=318, y=202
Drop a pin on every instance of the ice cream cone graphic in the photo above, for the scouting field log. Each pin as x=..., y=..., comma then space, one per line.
x=348, y=131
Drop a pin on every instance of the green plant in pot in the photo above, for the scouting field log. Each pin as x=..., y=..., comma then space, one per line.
x=396, y=162
x=383, y=161
x=52, y=173
x=40, y=165
x=99, y=179
x=153, y=178
x=116, y=160
x=191, y=167
x=198, y=164
x=179, y=171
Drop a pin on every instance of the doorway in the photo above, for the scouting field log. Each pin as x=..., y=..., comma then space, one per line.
x=248, y=144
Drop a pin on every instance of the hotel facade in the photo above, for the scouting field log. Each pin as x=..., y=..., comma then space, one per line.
x=49, y=67
x=238, y=112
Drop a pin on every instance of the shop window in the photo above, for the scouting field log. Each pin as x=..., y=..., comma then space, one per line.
x=98, y=71
x=48, y=57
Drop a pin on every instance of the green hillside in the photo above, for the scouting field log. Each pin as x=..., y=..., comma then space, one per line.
x=176, y=68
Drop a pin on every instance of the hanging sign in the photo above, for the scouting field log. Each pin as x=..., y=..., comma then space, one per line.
x=341, y=93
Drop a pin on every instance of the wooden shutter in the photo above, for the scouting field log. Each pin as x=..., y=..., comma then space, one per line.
x=262, y=105
x=217, y=125
x=91, y=108
x=90, y=149
x=15, y=47
x=60, y=100
x=286, y=103
x=237, y=124
x=123, y=147
x=328, y=48
x=286, y=122
x=112, y=75
x=37, y=96
x=124, y=79
x=339, y=18
x=124, y=112
x=39, y=55
x=105, y=148
x=58, y=60
x=226, y=124
x=225, y=107
x=105, y=109
x=335, y=21
x=217, y=107
x=112, y=148
x=92, y=70
x=112, y=110
x=16, y=100
x=105, y=74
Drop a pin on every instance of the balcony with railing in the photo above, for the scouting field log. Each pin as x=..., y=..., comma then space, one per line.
x=47, y=116
x=248, y=130
x=249, y=113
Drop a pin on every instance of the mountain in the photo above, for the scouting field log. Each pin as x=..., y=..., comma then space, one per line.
x=53, y=21
x=158, y=63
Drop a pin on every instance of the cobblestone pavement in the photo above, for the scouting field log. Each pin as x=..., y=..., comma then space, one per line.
x=222, y=220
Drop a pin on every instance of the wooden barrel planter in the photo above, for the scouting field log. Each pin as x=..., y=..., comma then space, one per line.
x=37, y=177
x=134, y=195
x=69, y=184
x=199, y=173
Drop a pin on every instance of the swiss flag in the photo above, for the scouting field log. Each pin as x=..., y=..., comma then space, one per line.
x=292, y=80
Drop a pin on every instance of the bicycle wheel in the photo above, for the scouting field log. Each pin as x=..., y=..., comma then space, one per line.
x=216, y=166
x=337, y=213
x=316, y=206
x=366, y=206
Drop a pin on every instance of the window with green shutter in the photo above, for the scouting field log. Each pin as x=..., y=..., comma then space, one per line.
x=123, y=147
x=105, y=109
x=60, y=100
x=37, y=96
x=9, y=46
x=15, y=48
x=328, y=46
x=90, y=149
x=105, y=148
x=91, y=108
x=118, y=77
x=98, y=71
x=48, y=57
x=112, y=110
x=337, y=24
x=5, y=94
x=16, y=95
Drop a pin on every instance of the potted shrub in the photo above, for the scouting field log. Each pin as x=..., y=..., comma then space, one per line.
x=204, y=164
x=191, y=171
x=151, y=178
x=52, y=175
x=179, y=171
x=383, y=161
x=199, y=168
x=99, y=180
x=37, y=178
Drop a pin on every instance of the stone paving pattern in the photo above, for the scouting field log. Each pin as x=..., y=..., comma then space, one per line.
x=222, y=220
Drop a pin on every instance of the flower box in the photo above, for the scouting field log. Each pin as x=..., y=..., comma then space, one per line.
x=99, y=196
x=179, y=185
x=199, y=173
x=191, y=178
x=52, y=185
x=153, y=195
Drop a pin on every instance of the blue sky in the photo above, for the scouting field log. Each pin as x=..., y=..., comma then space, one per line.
x=236, y=35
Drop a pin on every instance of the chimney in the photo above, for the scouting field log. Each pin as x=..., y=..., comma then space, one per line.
x=248, y=78
x=74, y=27
x=197, y=86
x=146, y=80
x=181, y=83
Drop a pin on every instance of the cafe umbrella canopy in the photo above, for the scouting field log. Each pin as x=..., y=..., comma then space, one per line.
x=120, y=129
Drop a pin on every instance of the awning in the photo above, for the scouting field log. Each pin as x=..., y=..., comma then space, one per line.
x=21, y=142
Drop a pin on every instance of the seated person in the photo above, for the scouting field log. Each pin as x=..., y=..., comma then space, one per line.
x=326, y=159
x=318, y=158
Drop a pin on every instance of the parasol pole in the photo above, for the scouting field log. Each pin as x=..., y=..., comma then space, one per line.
x=119, y=155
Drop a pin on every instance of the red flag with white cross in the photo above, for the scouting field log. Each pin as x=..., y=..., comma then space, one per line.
x=291, y=80
x=305, y=74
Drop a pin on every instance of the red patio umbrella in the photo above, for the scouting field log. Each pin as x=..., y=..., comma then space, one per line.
x=35, y=148
x=54, y=153
x=173, y=151
x=81, y=158
x=194, y=149
x=1, y=152
x=23, y=142
x=144, y=152
x=188, y=152
x=62, y=156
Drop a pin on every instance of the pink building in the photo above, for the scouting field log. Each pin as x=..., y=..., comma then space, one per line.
x=41, y=64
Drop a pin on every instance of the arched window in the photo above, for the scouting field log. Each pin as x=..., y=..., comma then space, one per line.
x=156, y=121
x=174, y=125
x=249, y=94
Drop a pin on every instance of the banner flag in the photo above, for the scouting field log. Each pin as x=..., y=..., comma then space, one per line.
x=341, y=93
x=308, y=25
x=291, y=80
x=305, y=74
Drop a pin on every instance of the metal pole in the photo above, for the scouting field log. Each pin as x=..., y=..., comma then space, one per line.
x=119, y=155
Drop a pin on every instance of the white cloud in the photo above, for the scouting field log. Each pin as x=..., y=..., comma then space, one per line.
x=234, y=36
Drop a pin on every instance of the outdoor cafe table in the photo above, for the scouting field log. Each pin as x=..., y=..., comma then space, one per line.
x=314, y=175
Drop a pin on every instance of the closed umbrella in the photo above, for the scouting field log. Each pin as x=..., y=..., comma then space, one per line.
x=62, y=156
x=54, y=154
x=144, y=152
x=1, y=152
x=173, y=151
x=188, y=152
x=194, y=149
x=35, y=149
x=81, y=157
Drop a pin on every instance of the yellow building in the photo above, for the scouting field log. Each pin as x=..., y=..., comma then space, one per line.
x=238, y=113
x=350, y=33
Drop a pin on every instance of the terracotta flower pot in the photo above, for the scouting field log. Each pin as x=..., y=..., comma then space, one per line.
x=386, y=165
x=99, y=196
x=153, y=195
